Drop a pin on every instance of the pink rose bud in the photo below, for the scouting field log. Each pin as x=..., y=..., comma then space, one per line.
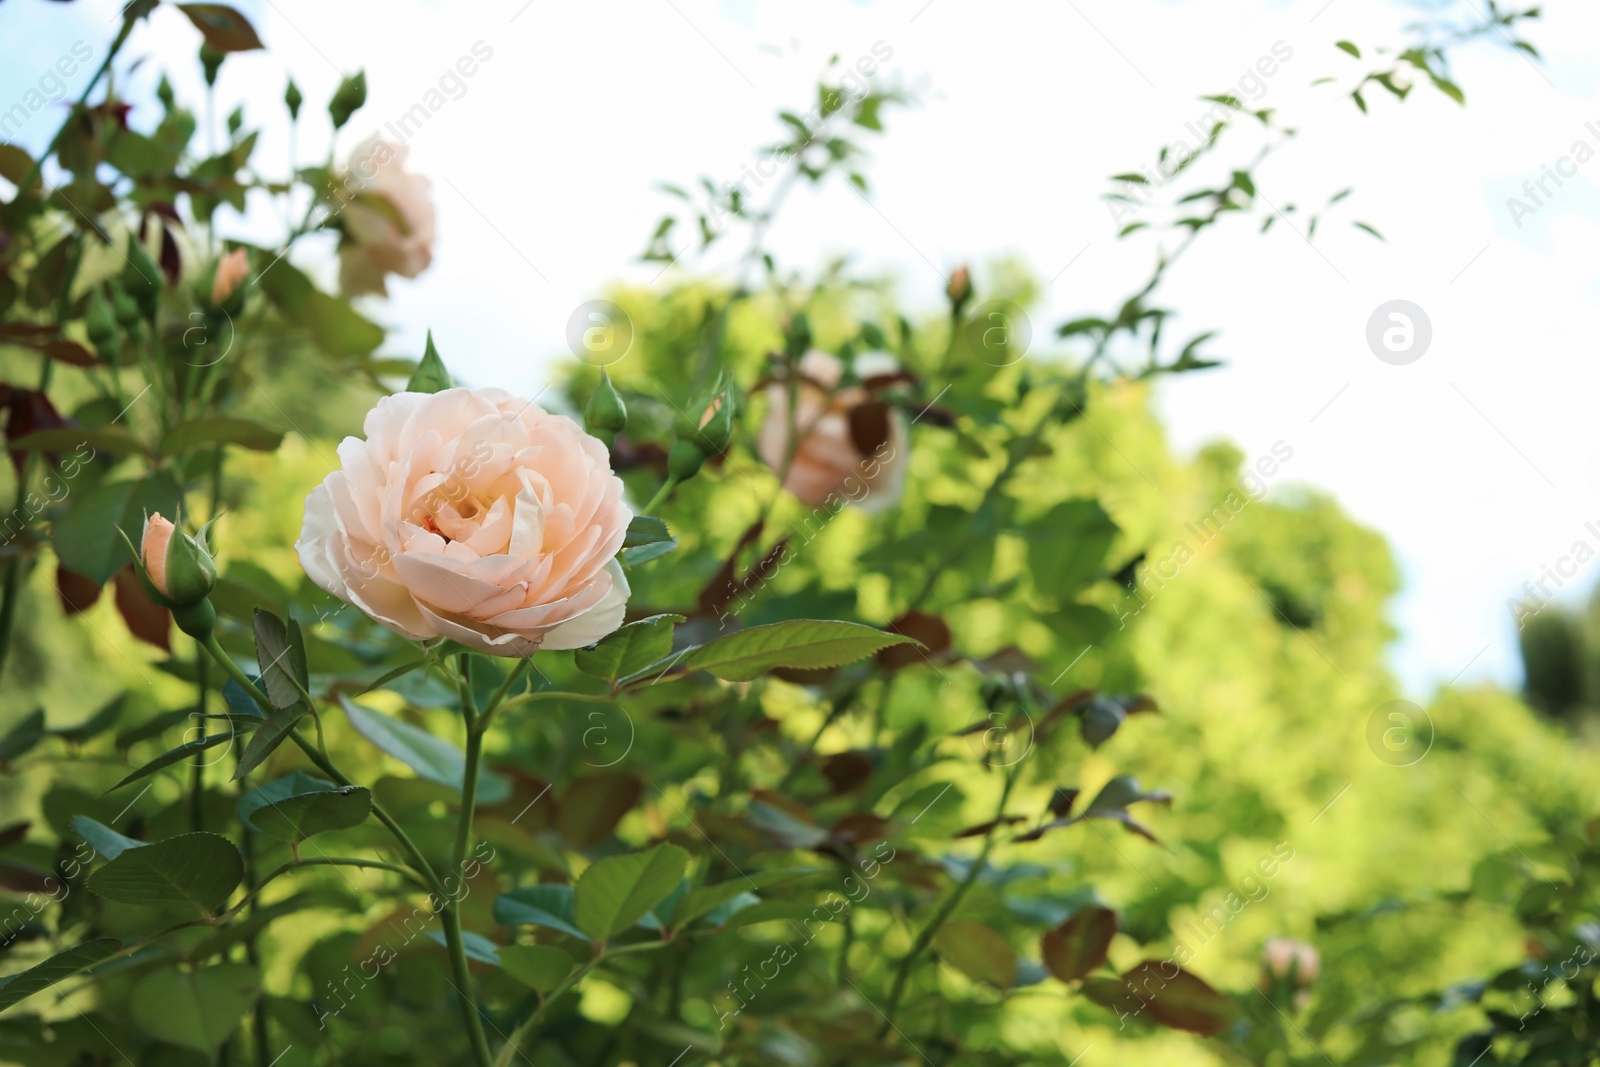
x=960, y=287
x=1284, y=959
x=178, y=573
x=232, y=270
x=153, y=550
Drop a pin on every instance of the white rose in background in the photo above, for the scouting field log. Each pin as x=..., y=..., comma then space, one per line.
x=832, y=457
x=474, y=515
x=388, y=219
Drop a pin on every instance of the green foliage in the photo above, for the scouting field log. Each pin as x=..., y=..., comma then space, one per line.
x=299, y=806
x=617, y=891
x=190, y=871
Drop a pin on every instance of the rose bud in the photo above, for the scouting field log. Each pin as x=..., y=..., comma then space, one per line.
x=232, y=270
x=605, y=413
x=684, y=460
x=1286, y=960
x=348, y=99
x=960, y=289
x=141, y=277
x=211, y=61
x=101, y=322
x=716, y=426
x=124, y=307
x=177, y=573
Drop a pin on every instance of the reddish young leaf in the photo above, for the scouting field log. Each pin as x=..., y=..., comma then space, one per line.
x=146, y=621
x=28, y=410
x=858, y=829
x=931, y=630
x=977, y=951
x=78, y=592
x=171, y=262
x=1175, y=998
x=1079, y=945
x=846, y=771
x=69, y=352
x=223, y=28
x=591, y=806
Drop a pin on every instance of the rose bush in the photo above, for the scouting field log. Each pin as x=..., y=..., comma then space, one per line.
x=519, y=770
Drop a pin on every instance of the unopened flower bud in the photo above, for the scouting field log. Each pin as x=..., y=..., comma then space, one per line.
x=1284, y=959
x=605, y=411
x=141, y=277
x=798, y=337
x=995, y=690
x=716, y=426
x=232, y=270
x=124, y=307
x=101, y=323
x=684, y=460
x=348, y=99
x=211, y=60
x=292, y=98
x=177, y=570
x=960, y=289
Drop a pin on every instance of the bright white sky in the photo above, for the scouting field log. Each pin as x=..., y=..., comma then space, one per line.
x=1469, y=459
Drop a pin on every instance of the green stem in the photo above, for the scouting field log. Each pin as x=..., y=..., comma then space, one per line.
x=508, y=1053
x=946, y=909
x=419, y=862
x=197, y=766
x=512, y=677
x=318, y=861
x=451, y=914
x=252, y=954
x=554, y=694
x=11, y=589
x=661, y=494
x=803, y=758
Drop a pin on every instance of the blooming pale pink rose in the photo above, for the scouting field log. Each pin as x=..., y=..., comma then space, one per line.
x=153, y=550
x=232, y=270
x=473, y=515
x=391, y=236
x=828, y=461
